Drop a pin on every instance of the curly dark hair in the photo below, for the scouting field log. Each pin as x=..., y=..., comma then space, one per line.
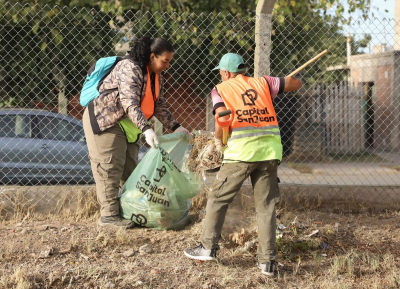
x=142, y=49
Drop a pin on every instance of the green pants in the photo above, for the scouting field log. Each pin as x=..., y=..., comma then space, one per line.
x=266, y=194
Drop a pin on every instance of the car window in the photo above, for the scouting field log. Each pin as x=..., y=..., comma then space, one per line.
x=52, y=128
x=48, y=127
x=15, y=126
x=69, y=131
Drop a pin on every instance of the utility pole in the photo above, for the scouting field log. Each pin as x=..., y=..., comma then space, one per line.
x=263, y=37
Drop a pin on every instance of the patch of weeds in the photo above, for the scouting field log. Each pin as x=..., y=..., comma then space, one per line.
x=52, y=278
x=227, y=273
x=87, y=205
x=89, y=245
x=17, y=280
x=314, y=244
x=93, y=273
x=10, y=251
x=374, y=263
x=338, y=265
x=122, y=237
x=64, y=278
x=21, y=205
x=101, y=237
x=394, y=279
x=43, y=235
x=317, y=257
x=388, y=262
x=73, y=241
x=301, y=246
x=129, y=279
x=287, y=248
x=284, y=247
x=296, y=268
x=2, y=205
x=343, y=265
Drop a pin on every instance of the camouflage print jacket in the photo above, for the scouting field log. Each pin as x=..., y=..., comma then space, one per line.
x=110, y=108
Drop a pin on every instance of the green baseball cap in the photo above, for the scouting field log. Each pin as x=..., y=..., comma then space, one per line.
x=231, y=62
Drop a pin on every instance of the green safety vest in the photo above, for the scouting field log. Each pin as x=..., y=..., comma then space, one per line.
x=130, y=130
x=254, y=145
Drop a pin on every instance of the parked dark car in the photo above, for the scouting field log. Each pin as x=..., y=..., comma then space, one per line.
x=39, y=146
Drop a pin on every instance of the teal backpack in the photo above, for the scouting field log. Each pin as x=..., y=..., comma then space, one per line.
x=95, y=77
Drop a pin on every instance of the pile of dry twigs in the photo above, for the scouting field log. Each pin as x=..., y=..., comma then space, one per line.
x=203, y=154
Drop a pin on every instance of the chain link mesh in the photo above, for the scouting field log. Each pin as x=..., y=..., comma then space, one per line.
x=340, y=132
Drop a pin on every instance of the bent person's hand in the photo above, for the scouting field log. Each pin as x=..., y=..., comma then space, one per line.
x=219, y=145
x=151, y=137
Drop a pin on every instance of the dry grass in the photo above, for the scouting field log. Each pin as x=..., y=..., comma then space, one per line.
x=22, y=206
x=122, y=237
x=16, y=280
x=97, y=260
x=199, y=201
x=87, y=205
x=356, y=257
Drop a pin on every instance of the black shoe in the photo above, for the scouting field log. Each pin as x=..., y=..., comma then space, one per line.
x=201, y=253
x=115, y=222
x=267, y=268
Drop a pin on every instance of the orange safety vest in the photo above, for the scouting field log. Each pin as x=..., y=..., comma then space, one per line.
x=148, y=102
x=147, y=106
x=251, y=100
x=255, y=134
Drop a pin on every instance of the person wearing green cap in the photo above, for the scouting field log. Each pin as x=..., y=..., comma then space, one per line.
x=254, y=150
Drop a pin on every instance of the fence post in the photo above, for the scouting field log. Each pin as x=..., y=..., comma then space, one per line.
x=395, y=96
x=62, y=101
x=263, y=37
x=323, y=116
x=59, y=77
x=210, y=125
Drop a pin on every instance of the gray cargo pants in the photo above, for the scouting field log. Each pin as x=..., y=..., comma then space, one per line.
x=266, y=194
x=113, y=160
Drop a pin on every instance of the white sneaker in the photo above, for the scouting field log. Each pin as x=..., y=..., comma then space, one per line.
x=267, y=268
x=201, y=253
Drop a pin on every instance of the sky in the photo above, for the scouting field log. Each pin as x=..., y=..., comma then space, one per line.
x=381, y=28
x=388, y=5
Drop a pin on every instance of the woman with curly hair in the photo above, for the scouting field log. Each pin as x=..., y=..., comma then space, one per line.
x=114, y=121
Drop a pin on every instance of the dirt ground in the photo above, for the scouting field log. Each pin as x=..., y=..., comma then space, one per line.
x=70, y=251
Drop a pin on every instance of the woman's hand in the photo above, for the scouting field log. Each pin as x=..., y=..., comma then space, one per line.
x=151, y=137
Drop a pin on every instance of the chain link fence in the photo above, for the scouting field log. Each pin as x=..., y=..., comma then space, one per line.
x=341, y=132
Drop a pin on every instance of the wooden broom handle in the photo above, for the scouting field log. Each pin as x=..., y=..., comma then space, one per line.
x=308, y=63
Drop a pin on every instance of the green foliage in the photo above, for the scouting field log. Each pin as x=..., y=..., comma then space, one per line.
x=46, y=49
x=282, y=8
x=199, y=40
x=48, y=45
x=295, y=40
x=301, y=29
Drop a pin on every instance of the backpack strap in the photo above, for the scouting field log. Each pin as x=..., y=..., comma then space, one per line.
x=107, y=74
x=115, y=64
